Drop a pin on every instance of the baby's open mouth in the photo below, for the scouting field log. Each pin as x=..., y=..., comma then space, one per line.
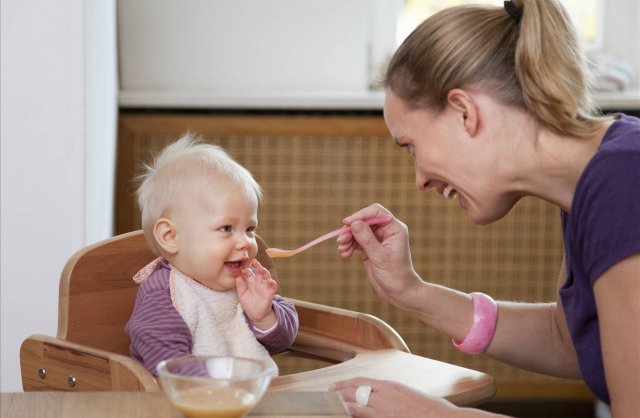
x=235, y=265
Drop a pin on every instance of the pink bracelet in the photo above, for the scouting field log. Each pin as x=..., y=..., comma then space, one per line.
x=485, y=319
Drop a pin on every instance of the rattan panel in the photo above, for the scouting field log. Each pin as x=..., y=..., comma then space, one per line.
x=316, y=170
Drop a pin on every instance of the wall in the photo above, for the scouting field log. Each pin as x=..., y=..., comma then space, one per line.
x=57, y=128
x=195, y=51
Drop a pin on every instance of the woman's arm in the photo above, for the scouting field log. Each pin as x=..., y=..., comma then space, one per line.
x=544, y=341
x=531, y=336
x=617, y=294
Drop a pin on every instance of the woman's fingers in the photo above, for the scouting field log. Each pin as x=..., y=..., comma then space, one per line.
x=351, y=241
x=369, y=212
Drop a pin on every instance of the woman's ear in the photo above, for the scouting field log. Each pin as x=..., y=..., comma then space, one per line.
x=462, y=102
x=166, y=235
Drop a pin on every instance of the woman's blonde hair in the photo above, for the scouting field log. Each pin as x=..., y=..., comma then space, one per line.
x=534, y=62
x=185, y=164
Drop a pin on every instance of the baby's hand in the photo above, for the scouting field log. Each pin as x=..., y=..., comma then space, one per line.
x=255, y=293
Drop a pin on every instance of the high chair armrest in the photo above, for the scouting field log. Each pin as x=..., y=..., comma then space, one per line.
x=336, y=334
x=49, y=363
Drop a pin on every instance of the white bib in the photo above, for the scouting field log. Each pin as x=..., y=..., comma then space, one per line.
x=216, y=320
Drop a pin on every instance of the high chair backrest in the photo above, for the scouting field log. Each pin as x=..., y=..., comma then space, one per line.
x=97, y=292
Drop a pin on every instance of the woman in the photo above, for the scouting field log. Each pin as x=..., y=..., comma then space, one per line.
x=493, y=105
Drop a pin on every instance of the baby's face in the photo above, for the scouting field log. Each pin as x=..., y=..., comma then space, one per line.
x=216, y=232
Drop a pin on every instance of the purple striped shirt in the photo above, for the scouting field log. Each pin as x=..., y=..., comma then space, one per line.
x=158, y=332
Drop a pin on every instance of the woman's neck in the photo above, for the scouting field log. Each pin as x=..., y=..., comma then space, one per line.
x=558, y=162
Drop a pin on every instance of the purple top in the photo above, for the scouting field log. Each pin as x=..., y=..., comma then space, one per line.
x=602, y=230
x=158, y=332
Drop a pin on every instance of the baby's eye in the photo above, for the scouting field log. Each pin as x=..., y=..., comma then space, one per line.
x=251, y=230
x=226, y=228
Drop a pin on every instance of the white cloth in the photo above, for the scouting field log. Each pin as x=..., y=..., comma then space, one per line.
x=216, y=320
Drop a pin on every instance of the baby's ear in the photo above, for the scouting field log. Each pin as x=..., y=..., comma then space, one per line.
x=166, y=236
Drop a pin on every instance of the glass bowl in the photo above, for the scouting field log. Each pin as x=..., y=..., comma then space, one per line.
x=214, y=387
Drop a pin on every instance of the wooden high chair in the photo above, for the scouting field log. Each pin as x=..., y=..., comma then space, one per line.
x=91, y=349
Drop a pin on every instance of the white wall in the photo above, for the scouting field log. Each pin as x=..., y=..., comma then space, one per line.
x=239, y=46
x=200, y=53
x=50, y=146
x=101, y=115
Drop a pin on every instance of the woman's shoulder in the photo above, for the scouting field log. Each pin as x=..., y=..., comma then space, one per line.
x=622, y=135
x=604, y=226
x=610, y=184
x=619, y=153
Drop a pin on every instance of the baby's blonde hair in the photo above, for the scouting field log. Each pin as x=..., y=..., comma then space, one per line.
x=178, y=166
x=534, y=63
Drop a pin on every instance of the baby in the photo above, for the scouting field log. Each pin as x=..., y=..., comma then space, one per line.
x=205, y=294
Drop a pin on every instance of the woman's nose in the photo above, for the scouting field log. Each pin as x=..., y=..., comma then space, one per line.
x=423, y=183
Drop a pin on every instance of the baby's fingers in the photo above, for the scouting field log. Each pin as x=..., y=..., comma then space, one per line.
x=259, y=269
x=259, y=277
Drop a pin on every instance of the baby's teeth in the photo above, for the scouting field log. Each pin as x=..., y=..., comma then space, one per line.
x=447, y=192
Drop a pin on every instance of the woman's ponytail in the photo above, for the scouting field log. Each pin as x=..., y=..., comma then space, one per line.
x=551, y=69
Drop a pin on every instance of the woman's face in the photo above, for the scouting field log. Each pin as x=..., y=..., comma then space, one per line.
x=448, y=158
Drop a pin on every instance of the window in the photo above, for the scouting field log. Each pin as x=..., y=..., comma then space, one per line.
x=585, y=14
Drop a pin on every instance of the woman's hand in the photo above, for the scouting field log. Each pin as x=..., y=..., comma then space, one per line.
x=255, y=293
x=385, y=252
x=391, y=399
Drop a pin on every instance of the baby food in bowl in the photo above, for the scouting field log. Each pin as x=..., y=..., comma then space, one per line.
x=214, y=387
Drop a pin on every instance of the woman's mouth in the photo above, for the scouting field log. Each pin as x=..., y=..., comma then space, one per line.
x=449, y=192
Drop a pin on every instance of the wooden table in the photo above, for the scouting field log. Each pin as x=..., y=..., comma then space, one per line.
x=156, y=405
x=299, y=395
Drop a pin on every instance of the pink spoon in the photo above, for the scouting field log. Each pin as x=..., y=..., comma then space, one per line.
x=278, y=253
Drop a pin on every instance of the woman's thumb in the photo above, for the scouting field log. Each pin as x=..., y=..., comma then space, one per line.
x=363, y=234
